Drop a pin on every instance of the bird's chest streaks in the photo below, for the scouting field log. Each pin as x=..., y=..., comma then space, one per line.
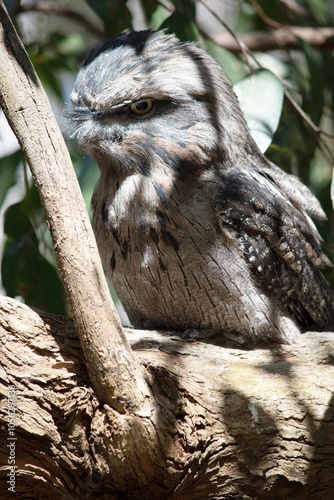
x=133, y=218
x=123, y=200
x=133, y=212
x=169, y=262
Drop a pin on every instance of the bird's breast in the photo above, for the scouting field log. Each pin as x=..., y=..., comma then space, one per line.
x=165, y=253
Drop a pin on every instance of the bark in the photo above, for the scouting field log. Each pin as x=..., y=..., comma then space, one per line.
x=114, y=371
x=229, y=422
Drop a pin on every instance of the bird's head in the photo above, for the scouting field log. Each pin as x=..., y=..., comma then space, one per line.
x=145, y=93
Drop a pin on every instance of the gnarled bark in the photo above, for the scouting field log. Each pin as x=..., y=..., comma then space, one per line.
x=228, y=422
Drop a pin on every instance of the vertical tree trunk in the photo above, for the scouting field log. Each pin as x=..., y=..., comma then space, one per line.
x=114, y=371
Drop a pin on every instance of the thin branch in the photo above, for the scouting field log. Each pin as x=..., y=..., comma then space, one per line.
x=294, y=7
x=237, y=40
x=319, y=38
x=286, y=38
x=263, y=15
x=60, y=10
x=114, y=371
x=316, y=131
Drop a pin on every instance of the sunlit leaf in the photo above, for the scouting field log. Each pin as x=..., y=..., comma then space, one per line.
x=320, y=10
x=261, y=96
x=159, y=16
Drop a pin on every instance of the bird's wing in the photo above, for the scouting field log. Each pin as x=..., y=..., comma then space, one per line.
x=280, y=243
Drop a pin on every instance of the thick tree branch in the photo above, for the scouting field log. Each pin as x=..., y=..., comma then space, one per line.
x=230, y=423
x=115, y=373
x=282, y=38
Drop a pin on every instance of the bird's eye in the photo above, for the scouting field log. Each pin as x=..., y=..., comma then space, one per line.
x=142, y=107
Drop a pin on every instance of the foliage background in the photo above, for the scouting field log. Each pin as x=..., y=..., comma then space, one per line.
x=58, y=35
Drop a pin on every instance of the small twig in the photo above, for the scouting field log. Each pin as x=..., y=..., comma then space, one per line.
x=294, y=7
x=237, y=40
x=263, y=15
x=316, y=131
x=301, y=112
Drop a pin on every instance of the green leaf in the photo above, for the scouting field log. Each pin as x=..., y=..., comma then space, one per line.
x=188, y=9
x=88, y=174
x=234, y=68
x=148, y=7
x=261, y=96
x=25, y=272
x=159, y=16
x=183, y=28
x=315, y=101
x=8, y=165
x=320, y=10
x=56, y=54
x=68, y=45
x=115, y=15
x=332, y=189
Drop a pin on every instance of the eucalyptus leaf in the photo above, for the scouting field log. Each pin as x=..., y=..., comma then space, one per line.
x=261, y=96
x=148, y=7
x=8, y=166
x=159, y=16
x=332, y=189
x=25, y=271
x=187, y=8
x=178, y=24
x=234, y=68
x=115, y=15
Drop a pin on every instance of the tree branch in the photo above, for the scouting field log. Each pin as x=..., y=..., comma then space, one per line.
x=283, y=38
x=115, y=373
x=229, y=422
x=60, y=10
x=236, y=39
x=263, y=15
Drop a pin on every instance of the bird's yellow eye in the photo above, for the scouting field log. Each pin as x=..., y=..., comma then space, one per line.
x=142, y=107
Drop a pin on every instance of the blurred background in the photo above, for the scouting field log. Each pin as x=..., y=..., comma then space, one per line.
x=293, y=39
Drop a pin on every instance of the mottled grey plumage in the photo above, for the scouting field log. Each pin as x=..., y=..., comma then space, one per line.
x=197, y=229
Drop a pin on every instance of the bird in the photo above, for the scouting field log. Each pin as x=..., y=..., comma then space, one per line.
x=198, y=231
